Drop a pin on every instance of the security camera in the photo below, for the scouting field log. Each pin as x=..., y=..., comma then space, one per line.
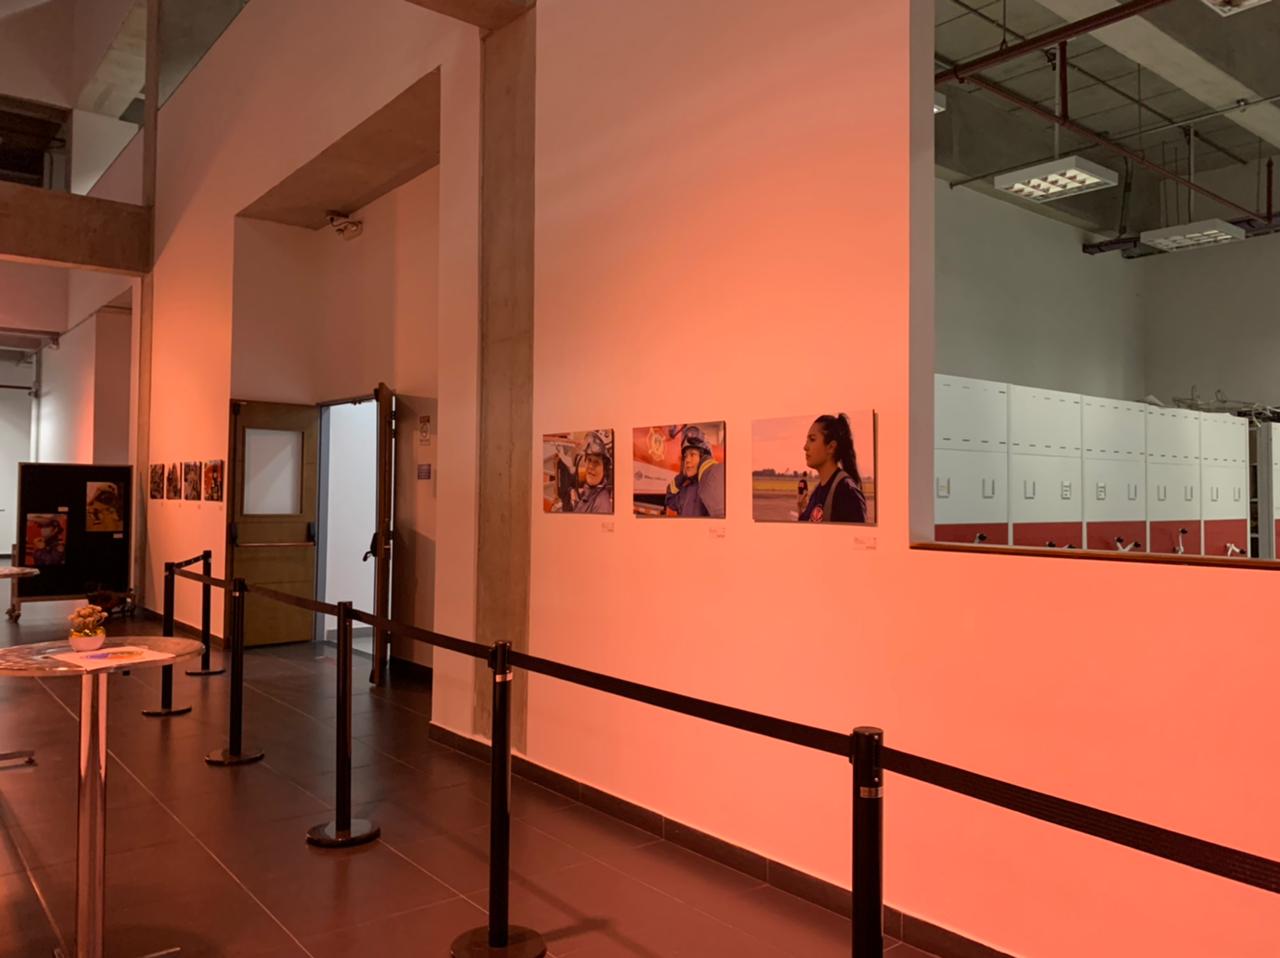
x=344, y=225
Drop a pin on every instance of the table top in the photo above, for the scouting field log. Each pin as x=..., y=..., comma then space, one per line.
x=35, y=660
x=17, y=571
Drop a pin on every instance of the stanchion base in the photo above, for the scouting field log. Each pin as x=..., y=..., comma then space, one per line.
x=521, y=943
x=327, y=835
x=166, y=713
x=205, y=671
x=222, y=756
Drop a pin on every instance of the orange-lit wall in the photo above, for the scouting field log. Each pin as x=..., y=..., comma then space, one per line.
x=253, y=111
x=722, y=232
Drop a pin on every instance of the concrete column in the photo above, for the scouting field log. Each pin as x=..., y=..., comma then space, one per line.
x=506, y=353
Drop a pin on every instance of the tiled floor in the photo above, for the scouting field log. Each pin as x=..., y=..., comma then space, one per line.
x=213, y=860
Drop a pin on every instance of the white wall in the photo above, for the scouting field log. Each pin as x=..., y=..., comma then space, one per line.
x=96, y=24
x=96, y=142
x=351, y=516
x=35, y=53
x=64, y=423
x=1213, y=321
x=15, y=447
x=1018, y=302
x=33, y=297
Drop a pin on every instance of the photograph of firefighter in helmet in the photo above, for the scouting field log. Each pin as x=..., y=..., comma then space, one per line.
x=577, y=472
x=680, y=470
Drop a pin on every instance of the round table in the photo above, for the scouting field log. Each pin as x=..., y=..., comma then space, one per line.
x=36, y=661
x=15, y=572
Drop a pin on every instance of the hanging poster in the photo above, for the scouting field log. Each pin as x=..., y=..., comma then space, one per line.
x=103, y=507
x=191, y=480
x=173, y=482
x=814, y=468
x=46, y=539
x=157, y=482
x=577, y=472
x=680, y=470
x=213, y=470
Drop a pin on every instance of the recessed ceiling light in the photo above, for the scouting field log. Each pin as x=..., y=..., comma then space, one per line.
x=1175, y=239
x=1068, y=176
x=939, y=103
x=1228, y=7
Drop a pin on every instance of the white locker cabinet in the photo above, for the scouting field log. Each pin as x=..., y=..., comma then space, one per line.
x=1115, y=490
x=1173, y=435
x=970, y=487
x=1044, y=422
x=1044, y=489
x=1224, y=439
x=1226, y=491
x=1113, y=428
x=970, y=414
x=1173, y=491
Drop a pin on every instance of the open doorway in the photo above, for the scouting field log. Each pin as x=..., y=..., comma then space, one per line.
x=348, y=513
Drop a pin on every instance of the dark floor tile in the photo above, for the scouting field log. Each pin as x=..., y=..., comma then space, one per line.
x=588, y=830
x=933, y=938
x=415, y=816
x=794, y=926
x=423, y=931
x=232, y=797
x=685, y=876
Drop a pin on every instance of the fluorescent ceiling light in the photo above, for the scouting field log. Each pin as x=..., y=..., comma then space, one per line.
x=1228, y=7
x=939, y=103
x=1174, y=239
x=1069, y=176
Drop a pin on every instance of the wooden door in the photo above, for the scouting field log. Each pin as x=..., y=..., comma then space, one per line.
x=383, y=532
x=271, y=535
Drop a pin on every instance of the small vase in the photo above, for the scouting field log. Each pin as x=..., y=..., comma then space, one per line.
x=88, y=641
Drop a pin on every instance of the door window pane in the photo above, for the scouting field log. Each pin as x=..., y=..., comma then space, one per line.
x=272, y=472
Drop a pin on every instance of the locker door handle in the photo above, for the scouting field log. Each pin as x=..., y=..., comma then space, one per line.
x=1162, y=493
x=1236, y=494
x=1028, y=488
x=1213, y=493
x=943, y=488
x=1065, y=489
x=1189, y=493
x=988, y=488
x=1100, y=492
x=1133, y=492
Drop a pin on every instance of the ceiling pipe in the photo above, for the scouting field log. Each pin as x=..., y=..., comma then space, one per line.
x=1098, y=139
x=1045, y=40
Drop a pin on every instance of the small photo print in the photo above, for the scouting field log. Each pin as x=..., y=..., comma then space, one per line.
x=814, y=468
x=213, y=471
x=173, y=482
x=577, y=472
x=157, y=482
x=679, y=470
x=191, y=480
x=46, y=539
x=103, y=507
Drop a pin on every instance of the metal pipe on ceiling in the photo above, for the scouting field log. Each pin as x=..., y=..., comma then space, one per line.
x=1067, y=31
x=1100, y=140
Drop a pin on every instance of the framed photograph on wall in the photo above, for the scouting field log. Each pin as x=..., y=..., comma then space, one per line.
x=191, y=481
x=818, y=468
x=173, y=482
x=577, y=472
x=157, y=481
x=680, y=470
x=46, y=539
x=213, y=480
x=103, y=507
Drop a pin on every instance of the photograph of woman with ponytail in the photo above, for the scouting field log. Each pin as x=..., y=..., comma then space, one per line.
x=814, y=469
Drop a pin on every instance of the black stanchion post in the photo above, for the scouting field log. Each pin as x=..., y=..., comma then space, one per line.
x=868, y=843
x=500, y=938
x=166, y=708
x=343, y=832
x=235, y=752
x=206, y=617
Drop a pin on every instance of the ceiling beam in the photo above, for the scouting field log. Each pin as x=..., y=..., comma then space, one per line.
x=486, y=14
x=1047, y=39
x=62, y=229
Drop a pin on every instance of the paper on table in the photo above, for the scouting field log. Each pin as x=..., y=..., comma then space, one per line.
x=111, y=657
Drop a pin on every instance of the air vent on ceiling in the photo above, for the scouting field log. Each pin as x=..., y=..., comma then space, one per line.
x=1227, y=7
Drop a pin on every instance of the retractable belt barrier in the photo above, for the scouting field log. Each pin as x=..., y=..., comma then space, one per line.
x=864, y=748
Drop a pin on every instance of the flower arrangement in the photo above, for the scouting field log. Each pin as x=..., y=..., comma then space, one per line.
x=87, y=620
